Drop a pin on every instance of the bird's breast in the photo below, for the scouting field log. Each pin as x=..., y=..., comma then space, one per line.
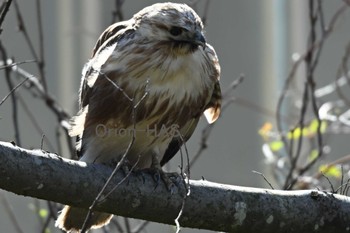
x=151, y=96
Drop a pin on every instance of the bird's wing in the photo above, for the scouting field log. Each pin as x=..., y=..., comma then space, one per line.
x=111, y=35
x=213, y=108
x=178, y=141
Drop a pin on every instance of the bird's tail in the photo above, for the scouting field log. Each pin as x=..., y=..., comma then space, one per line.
x=71, y=219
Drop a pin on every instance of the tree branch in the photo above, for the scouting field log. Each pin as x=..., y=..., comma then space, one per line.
x=210, y=205
x=4, y=9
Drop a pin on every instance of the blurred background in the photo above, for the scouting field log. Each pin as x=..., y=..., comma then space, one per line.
x=255, y=39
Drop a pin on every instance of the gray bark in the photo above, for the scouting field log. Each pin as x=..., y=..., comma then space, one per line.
x=210, y=205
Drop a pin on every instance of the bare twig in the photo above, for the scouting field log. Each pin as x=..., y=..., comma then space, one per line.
x=329, y=182
x=297, y=63
x=4, y=11
x=310, y=82
x=42, y=141
x=203, y=144
x=50, y=101
x=208, y=128
x=35, y=123
x=343, y=187
x=331, y=87
x=185, y=175
x=205, y=13
x=263, y=176
x=227, y=93
x=39, y=58
x=311, y=58
x=123, y=180
x=41, y=61
x=341, y=180
x=13, y=90
x=118, y=87
x=117, y=225
x=127, y=225
x=3, y=64
x=13, y=97
x=343, y=160
x=343, y=69
x=117, y=13
x=23, y=29
x=140, y=227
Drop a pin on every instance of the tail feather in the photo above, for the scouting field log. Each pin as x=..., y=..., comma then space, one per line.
x=72, y=219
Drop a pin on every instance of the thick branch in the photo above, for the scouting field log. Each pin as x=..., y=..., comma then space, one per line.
x=210, y=205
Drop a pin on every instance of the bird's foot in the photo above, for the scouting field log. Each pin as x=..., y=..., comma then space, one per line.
x=170, y=179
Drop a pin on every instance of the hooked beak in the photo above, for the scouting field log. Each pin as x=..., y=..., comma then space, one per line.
x=199, y=39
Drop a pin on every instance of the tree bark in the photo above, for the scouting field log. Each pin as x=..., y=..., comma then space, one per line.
x=212, y=206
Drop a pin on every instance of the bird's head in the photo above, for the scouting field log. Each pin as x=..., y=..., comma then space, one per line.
x=174, y=24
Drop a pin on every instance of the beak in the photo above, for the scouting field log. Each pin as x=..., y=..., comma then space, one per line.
x=199, y=39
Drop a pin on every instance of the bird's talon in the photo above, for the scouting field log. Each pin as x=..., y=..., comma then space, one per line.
x=156, y=177
x=143, y=178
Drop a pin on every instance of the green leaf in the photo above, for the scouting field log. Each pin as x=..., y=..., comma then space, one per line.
x=323, y=126
x=307, y=131
x=276, y=145
x=313, y=155
x=314, y=125
x=294, y=134
x=332, y=171
x=43, y=213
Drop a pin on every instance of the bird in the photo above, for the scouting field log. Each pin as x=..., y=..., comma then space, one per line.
x=150, y=78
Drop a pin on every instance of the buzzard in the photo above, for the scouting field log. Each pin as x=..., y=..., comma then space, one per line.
x=150, y=73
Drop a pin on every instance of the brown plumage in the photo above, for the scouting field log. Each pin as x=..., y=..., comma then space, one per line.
x=160, y=62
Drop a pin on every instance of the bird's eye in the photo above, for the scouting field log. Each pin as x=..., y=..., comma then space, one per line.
x=175, y=31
